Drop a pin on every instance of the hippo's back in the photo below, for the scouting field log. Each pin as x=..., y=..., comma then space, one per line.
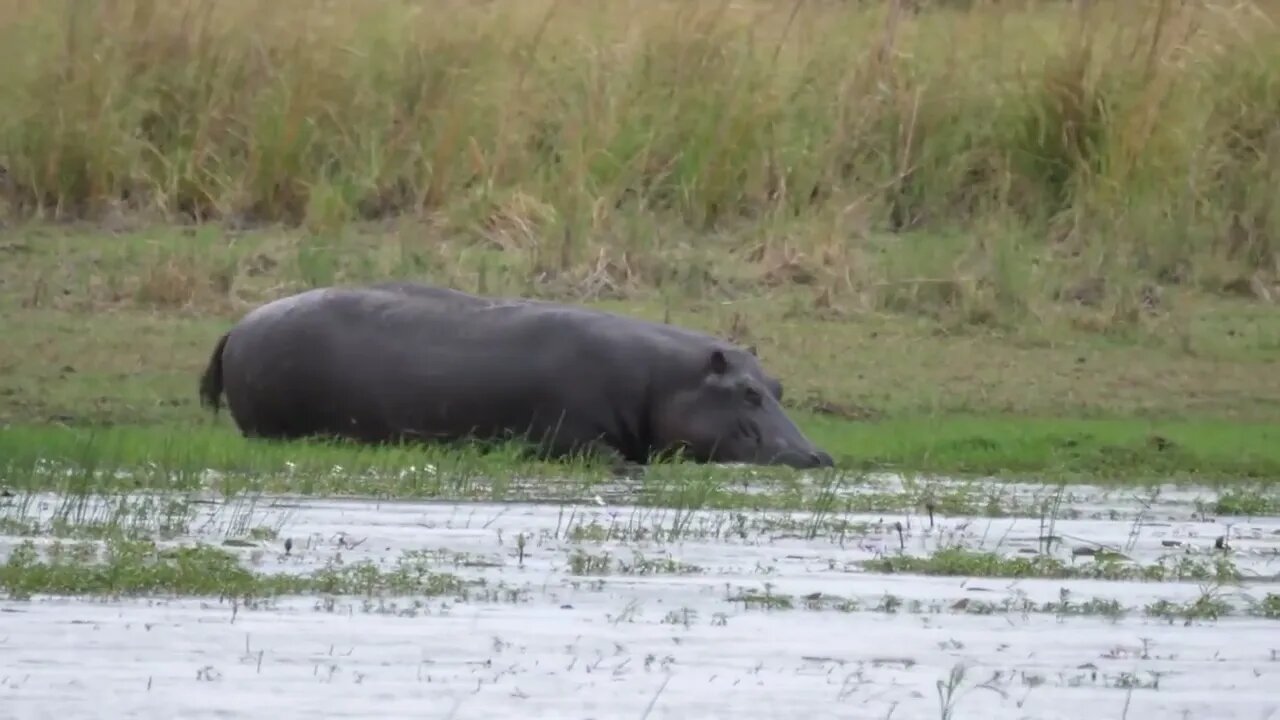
x=378, y=360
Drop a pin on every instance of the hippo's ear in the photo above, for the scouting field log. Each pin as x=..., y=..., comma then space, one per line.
x=752, y=349
x=717, y=364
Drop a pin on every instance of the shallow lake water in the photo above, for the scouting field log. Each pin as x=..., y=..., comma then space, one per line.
x=555, y=637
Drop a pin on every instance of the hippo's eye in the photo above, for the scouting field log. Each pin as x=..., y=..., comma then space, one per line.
x=753, y=397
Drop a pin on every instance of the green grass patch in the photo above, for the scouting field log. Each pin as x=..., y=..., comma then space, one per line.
x=1117, y=449
x=582, y=562
x=1103, y=566
x=1051, y=451
x=122, y=567
x=105, y=329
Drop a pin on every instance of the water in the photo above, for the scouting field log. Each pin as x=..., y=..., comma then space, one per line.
x=661, y=644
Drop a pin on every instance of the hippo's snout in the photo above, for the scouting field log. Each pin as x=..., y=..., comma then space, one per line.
x=802, y=460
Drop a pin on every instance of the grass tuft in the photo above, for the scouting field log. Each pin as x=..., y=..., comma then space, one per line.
x=1107, y=566
x=121, y=567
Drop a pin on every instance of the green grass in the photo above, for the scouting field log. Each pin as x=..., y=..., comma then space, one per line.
x=1110, y=566
x=114, y=328
x=1241, y=461
x=123, y=567
x=1118, y=451
x=104, y=342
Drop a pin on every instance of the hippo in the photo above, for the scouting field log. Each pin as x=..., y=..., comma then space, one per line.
x=398, y=361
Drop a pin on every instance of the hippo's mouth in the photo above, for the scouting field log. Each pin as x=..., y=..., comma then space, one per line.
x=768, y=453
x=799, y=459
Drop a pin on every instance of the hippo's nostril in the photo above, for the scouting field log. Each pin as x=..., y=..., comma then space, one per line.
x=822, y=459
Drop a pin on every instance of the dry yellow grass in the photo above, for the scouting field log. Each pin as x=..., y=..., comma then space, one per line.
x=1129, y=139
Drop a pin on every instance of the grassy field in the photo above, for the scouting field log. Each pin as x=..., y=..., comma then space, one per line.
x=113, y=331
x=999, y=238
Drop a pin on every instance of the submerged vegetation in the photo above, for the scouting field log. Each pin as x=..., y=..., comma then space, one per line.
x=1105, y=566
x=137, y=567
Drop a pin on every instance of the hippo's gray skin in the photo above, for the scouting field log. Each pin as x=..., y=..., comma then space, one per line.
x=402, y=360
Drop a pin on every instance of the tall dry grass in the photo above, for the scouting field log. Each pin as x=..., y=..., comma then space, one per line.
x=1141, y=134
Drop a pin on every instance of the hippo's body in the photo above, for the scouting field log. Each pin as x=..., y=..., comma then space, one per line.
x=403, y=360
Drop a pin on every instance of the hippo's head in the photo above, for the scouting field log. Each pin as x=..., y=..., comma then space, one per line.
x=729, y=411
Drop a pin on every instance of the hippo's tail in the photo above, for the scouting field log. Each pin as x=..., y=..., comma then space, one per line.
x=211, y=380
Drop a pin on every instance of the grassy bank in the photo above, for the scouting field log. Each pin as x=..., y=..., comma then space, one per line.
x=113, y=331
x=1018, y=237
x=1125, y=452
x=111, y=328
